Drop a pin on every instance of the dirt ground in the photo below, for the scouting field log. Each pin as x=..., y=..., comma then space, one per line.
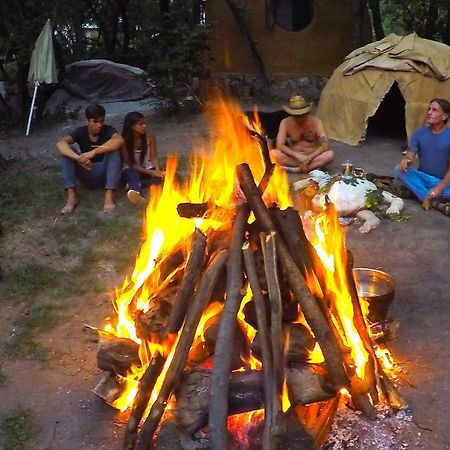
x=416, y=252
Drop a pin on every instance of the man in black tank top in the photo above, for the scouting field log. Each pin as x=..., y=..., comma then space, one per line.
x=95, y=161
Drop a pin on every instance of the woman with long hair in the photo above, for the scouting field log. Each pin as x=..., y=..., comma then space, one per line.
x=141, y=165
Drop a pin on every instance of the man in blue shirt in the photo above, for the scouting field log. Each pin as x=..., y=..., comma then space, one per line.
x=96, y=162
x=432, y=145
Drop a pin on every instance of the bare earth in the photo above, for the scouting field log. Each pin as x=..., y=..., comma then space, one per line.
x=415, y=252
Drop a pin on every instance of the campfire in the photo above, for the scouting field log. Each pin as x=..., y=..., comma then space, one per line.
x=238, y=322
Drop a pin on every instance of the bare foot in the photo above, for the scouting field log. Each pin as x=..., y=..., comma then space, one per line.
x=109, y=205
x=69, y=207
x=109, y=208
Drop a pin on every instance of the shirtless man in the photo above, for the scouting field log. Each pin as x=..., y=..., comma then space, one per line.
x=302, y=143
x=96, y=162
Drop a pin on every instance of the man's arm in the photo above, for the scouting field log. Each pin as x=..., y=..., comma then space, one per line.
x=111, y=145
x=64, y=148
x=407, y=160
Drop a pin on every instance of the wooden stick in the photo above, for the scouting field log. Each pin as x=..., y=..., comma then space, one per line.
x=218, y=406
x=274, y=437
x=261, y=318
x=310, y=308
x=174, y=372
x=148, y=380
x=146, y=385
x=194, y=267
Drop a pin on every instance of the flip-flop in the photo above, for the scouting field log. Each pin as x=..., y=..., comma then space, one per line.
x=444, y=208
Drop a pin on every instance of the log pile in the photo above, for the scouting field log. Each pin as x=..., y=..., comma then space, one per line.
x=207, y=379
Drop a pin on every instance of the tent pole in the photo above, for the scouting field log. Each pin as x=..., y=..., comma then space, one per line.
x=31, y=109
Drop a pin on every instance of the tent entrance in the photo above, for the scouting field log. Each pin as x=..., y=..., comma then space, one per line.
x=389, y=120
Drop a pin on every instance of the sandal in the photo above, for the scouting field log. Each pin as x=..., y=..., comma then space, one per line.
x=443, y=207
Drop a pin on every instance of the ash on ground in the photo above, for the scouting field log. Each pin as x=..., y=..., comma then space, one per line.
x=392, y=430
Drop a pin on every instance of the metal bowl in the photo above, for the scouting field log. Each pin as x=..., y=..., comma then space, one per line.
x=377, y=288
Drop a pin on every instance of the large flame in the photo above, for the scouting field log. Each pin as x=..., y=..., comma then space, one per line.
x=212, y=181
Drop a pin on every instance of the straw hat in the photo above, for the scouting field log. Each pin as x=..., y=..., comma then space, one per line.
x=297, y=106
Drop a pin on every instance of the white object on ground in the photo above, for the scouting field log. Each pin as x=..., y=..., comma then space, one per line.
x=370, y=220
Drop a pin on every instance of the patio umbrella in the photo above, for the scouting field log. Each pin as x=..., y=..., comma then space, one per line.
x=42, y=65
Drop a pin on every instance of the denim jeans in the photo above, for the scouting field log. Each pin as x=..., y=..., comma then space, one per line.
x=103, y=175
x=420, y=183
x=138, y=181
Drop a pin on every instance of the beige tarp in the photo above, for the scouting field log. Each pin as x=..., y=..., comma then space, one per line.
x=355, y=90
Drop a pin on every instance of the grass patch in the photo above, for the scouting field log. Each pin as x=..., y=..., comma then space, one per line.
x=26, y=281
x=36, y=194
x=18, y=429
x=22, y=344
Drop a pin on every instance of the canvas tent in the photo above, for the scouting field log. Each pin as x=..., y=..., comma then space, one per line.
x=357, y=87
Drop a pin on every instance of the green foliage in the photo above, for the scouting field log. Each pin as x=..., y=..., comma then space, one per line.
x=18, y=429
x=428, y=18
x=373, y=199
x=179, y=52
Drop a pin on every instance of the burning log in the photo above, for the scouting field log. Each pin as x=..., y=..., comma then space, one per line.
x=178, y=313
x=146, y=385
x=183, y=345
x=273, y=428
x=218, y=407
x=191, y=210
x=263, y=332
x=116, y=355
x=151, y=325
x=246, y=393
x=192, y=272
x=203, y=349
x=310, y=308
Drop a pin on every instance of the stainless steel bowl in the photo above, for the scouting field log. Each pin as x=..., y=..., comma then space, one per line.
x=377, y=288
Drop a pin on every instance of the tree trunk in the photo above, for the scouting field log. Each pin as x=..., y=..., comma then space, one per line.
x=376, y=19
x=260, y=69
x=359, y=9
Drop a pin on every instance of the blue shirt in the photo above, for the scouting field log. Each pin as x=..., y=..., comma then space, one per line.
x=433, y=150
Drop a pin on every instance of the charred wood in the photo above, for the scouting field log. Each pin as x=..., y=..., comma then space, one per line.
x=308, y=303
x=191, y=274
x=152, y=323
x=218, y=405
x=191, y=210
x=183, y=345
x=146, y=385
x=203, y=349
x=273, y=428
x=263, y=333
x=246, y=393
x=116, y=355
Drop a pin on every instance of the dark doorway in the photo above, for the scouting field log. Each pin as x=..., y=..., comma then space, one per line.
x=389, y=120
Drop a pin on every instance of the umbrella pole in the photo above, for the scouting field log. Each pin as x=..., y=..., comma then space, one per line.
x=31, y=109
